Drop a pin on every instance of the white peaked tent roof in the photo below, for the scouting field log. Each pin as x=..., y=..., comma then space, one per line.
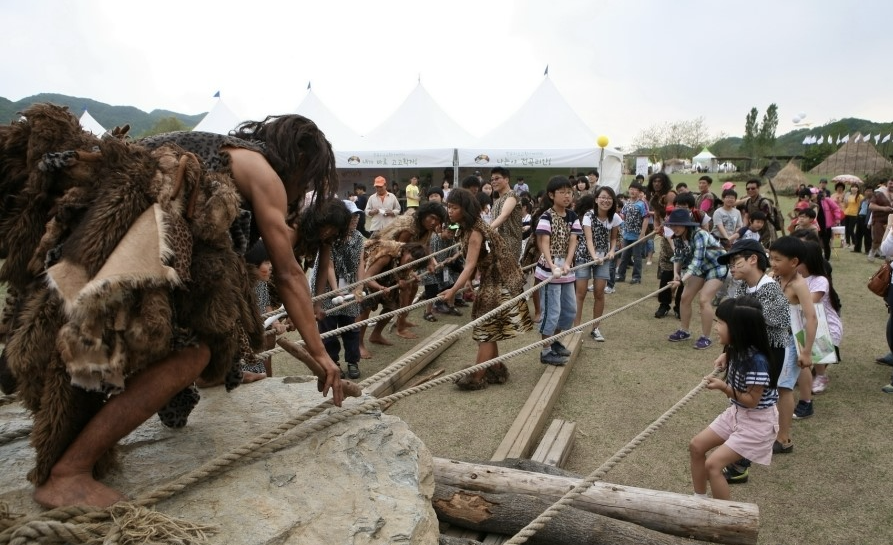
x=342, y=137
x=220, y=120
x=418, y=134
x=704, y=157
x=90, y=124
x=544, y=133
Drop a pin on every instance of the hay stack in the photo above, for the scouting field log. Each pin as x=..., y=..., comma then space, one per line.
x=789, y=178
x=859, y=158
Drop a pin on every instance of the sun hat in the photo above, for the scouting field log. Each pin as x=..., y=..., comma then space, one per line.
x=680, y=217
x=728, y=185
x=380, y=181
x=351, y=207
x=743, y=245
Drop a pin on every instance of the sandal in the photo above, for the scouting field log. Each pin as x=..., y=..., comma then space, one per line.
x=497, y=373
x=430, y=317
x=453, y=311
x=470, y=383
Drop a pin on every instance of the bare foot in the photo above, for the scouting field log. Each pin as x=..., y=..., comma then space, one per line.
x=407, y=323
x=248, y=376
x=406, y=334
x=77, y=489
x=365, y=354
x=380, y=340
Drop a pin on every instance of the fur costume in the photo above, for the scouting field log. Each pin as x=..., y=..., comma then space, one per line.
x=115, y=256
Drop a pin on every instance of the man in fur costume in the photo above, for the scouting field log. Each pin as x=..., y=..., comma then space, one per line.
x=125, y=276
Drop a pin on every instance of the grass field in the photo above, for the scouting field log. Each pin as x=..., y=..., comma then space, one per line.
x=832, y=489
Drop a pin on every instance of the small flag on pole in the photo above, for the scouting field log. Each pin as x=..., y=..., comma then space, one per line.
x=806, y=141
x=845, y=139
x=308, y=85
x=217, y=94
x=886, y=139
x=877, y=138
x=546, y=73
x=821, y=140
x=830, y=139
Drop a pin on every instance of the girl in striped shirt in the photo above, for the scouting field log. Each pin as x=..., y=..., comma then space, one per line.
x=748, y=426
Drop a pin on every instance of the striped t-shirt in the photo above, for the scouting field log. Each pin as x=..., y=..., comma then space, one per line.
x=758, y=376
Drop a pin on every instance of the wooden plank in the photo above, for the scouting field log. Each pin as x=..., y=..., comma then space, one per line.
x=556, y=444
x=532, y=418
x=396, y=381
x=545, y=445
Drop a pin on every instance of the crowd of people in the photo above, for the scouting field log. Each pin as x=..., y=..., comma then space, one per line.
x=769, y=300
x=767, y=297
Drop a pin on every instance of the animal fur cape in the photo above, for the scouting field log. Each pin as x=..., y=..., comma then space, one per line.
x=115, y=256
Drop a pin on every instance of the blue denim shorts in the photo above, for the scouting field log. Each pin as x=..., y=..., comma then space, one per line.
x=602, y=272
x=790, y=371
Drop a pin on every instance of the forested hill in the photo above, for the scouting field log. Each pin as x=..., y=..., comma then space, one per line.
x=108, y=116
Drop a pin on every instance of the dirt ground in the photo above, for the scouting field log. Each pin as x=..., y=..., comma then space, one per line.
x=831, y=489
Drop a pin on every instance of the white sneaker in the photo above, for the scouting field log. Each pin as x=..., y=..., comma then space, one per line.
x=609, y=290
x=597, y=335
x=590, y=288
x=820, y=384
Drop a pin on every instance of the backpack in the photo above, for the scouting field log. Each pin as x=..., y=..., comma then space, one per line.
x=774, y=216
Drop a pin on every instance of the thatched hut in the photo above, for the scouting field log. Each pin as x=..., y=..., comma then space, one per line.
x=855, y=157
x=789, y=178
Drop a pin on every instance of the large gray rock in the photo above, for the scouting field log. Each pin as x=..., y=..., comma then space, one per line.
x=366, y=480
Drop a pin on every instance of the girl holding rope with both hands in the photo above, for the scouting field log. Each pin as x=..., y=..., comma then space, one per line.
x=501, y=279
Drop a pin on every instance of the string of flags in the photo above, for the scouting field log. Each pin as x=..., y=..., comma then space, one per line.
x=821, y=139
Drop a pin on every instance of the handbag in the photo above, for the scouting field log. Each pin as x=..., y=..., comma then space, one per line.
x=879, y=283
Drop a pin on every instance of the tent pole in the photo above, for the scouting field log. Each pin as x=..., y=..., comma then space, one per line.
x=455, y=168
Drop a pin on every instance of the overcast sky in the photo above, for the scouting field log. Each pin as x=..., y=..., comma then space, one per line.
x=622, y=65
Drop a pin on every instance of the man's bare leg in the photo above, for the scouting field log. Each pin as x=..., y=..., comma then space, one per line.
x=364, y=352
x=71, y=479
x=376, y=336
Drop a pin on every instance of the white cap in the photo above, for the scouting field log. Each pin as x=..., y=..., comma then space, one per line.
x=351, y=207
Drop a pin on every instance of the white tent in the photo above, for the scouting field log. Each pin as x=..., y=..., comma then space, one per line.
x=706, y=160
x=90, y=124
x=219, y=120
x=345, y=141
x=418, y=134
x=544, y=133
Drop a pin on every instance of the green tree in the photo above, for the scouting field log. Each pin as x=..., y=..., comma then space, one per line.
x=167, y=124
x=766, y=136
x=749, y=142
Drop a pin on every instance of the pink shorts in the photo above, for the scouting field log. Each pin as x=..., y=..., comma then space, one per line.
x=748, y=432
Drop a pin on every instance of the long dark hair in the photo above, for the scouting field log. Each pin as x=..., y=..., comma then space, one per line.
x=299, y=153
x=814, y=262
x=656, y=196
x=466, y=201
x=747, y=334
x=584, y=204
x=330, y=213
x=429, y=209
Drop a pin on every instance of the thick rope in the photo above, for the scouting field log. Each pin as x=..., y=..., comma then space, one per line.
x=346, y=289
x=599, y=474
x=267, y=442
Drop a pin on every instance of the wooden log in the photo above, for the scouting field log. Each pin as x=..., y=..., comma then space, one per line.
x=556, y=444
x=396, y=381
x=677, y=514
x=510, y=513
x=531, y=420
